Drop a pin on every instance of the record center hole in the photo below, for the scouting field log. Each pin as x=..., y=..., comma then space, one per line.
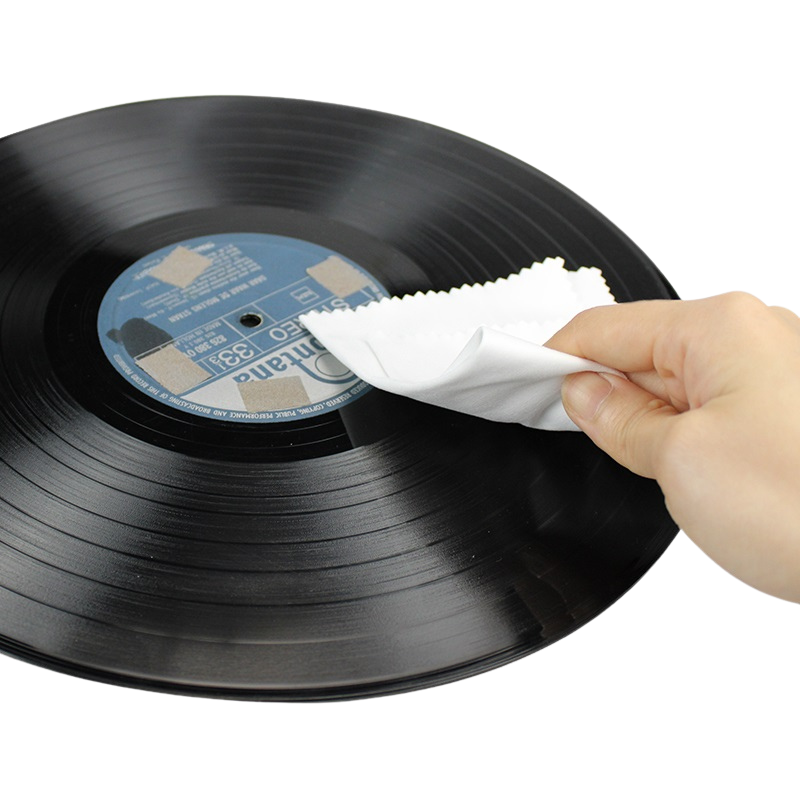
x=250, y=320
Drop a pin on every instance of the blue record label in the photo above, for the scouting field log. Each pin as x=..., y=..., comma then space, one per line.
x=209, y=326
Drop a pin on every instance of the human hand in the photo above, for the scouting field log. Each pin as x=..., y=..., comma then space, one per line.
x=711, y=412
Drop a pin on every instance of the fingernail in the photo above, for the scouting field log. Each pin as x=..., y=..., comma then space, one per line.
x=584, y=392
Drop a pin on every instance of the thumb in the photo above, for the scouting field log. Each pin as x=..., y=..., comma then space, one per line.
x=623, y=419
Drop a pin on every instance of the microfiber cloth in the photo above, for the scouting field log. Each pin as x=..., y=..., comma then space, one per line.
x=475, y=349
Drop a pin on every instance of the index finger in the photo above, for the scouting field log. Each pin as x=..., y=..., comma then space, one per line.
x=622, y=336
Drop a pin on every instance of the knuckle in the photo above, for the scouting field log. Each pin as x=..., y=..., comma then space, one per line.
x=786, y=314
x=740, y=303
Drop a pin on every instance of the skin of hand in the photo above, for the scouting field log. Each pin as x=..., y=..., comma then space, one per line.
x=711, y=410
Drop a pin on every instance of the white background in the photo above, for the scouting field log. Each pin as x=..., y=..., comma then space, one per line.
x=677, y=121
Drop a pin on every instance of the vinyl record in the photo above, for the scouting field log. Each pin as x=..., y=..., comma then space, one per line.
x=172, y=520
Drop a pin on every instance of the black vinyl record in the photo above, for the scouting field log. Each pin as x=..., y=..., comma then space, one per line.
x=371, y=546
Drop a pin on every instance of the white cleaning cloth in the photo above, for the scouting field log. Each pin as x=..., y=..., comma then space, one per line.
x=476, y=349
